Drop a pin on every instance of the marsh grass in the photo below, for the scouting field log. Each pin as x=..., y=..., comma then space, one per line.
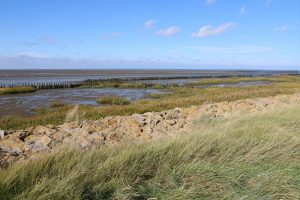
x=57, y=104
x=255, y=156
x=17, y=90
x=118, y=84
x=113, y=100
x=126, y=85
x=212, y=81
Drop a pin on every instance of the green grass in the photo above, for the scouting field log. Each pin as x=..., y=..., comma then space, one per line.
x=118, y=84
x=16, y=90
x=255, y=156
x=57, y=104
x=125, y=85
x=212, y=81
x=175, y=97
x=113, y=100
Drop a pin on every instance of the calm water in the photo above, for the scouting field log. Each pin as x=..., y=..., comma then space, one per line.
x=25, y=104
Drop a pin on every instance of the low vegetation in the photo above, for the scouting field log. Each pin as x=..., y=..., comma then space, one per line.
x=113, y=100
x=255, y=156
x=174, y=97
x=16, y=90
x=119, y=84
x=125, y=85
x=57, y=104
x=213, y=81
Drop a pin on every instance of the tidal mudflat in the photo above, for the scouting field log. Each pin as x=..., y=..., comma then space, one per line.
x=26, y=104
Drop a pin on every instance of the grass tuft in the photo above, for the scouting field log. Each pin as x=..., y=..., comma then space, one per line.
x=58, y=104
x=17, y=90
x=113, y=100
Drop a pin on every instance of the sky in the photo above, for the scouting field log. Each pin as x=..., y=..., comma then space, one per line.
x=194, y=34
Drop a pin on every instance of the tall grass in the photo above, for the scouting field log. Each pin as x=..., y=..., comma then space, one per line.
x=16, y=90
x=256, y=156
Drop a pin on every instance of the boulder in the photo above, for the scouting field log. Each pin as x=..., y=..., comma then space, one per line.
x=37, y=147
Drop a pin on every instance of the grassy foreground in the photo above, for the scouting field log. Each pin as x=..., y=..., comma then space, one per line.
x=176, y=97
x=17, y=90
x=250, y=157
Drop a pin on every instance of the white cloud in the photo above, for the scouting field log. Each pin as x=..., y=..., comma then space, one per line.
x=281, y=28
x=36, y=55
x=210, y=2
x=171, y=31
x=242, y=10
x=108, y=36
x=209, y=30
x=234, y=49
x=149, y=24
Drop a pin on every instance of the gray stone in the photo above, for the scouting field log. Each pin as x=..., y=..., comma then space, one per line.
x=2, y=133
x=38, y=146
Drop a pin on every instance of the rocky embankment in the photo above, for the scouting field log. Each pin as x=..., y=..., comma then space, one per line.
x=24, y=144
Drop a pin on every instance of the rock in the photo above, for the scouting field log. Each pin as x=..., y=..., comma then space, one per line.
x=96, y=138
x=13, y=142
x=38, y=147
x=46, y=140
x=58, y=136
x=38, y=142
x=13, y=151
x=172, y=114
x=42, y=130
x=171, y=122
x=23, y=135
x=2, y=133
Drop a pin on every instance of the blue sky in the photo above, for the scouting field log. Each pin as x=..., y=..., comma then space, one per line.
x=232, y=34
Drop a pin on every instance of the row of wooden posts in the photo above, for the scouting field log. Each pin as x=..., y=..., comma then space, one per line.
x=92, y=82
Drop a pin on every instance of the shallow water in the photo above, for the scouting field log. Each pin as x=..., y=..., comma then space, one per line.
x=25, y=104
